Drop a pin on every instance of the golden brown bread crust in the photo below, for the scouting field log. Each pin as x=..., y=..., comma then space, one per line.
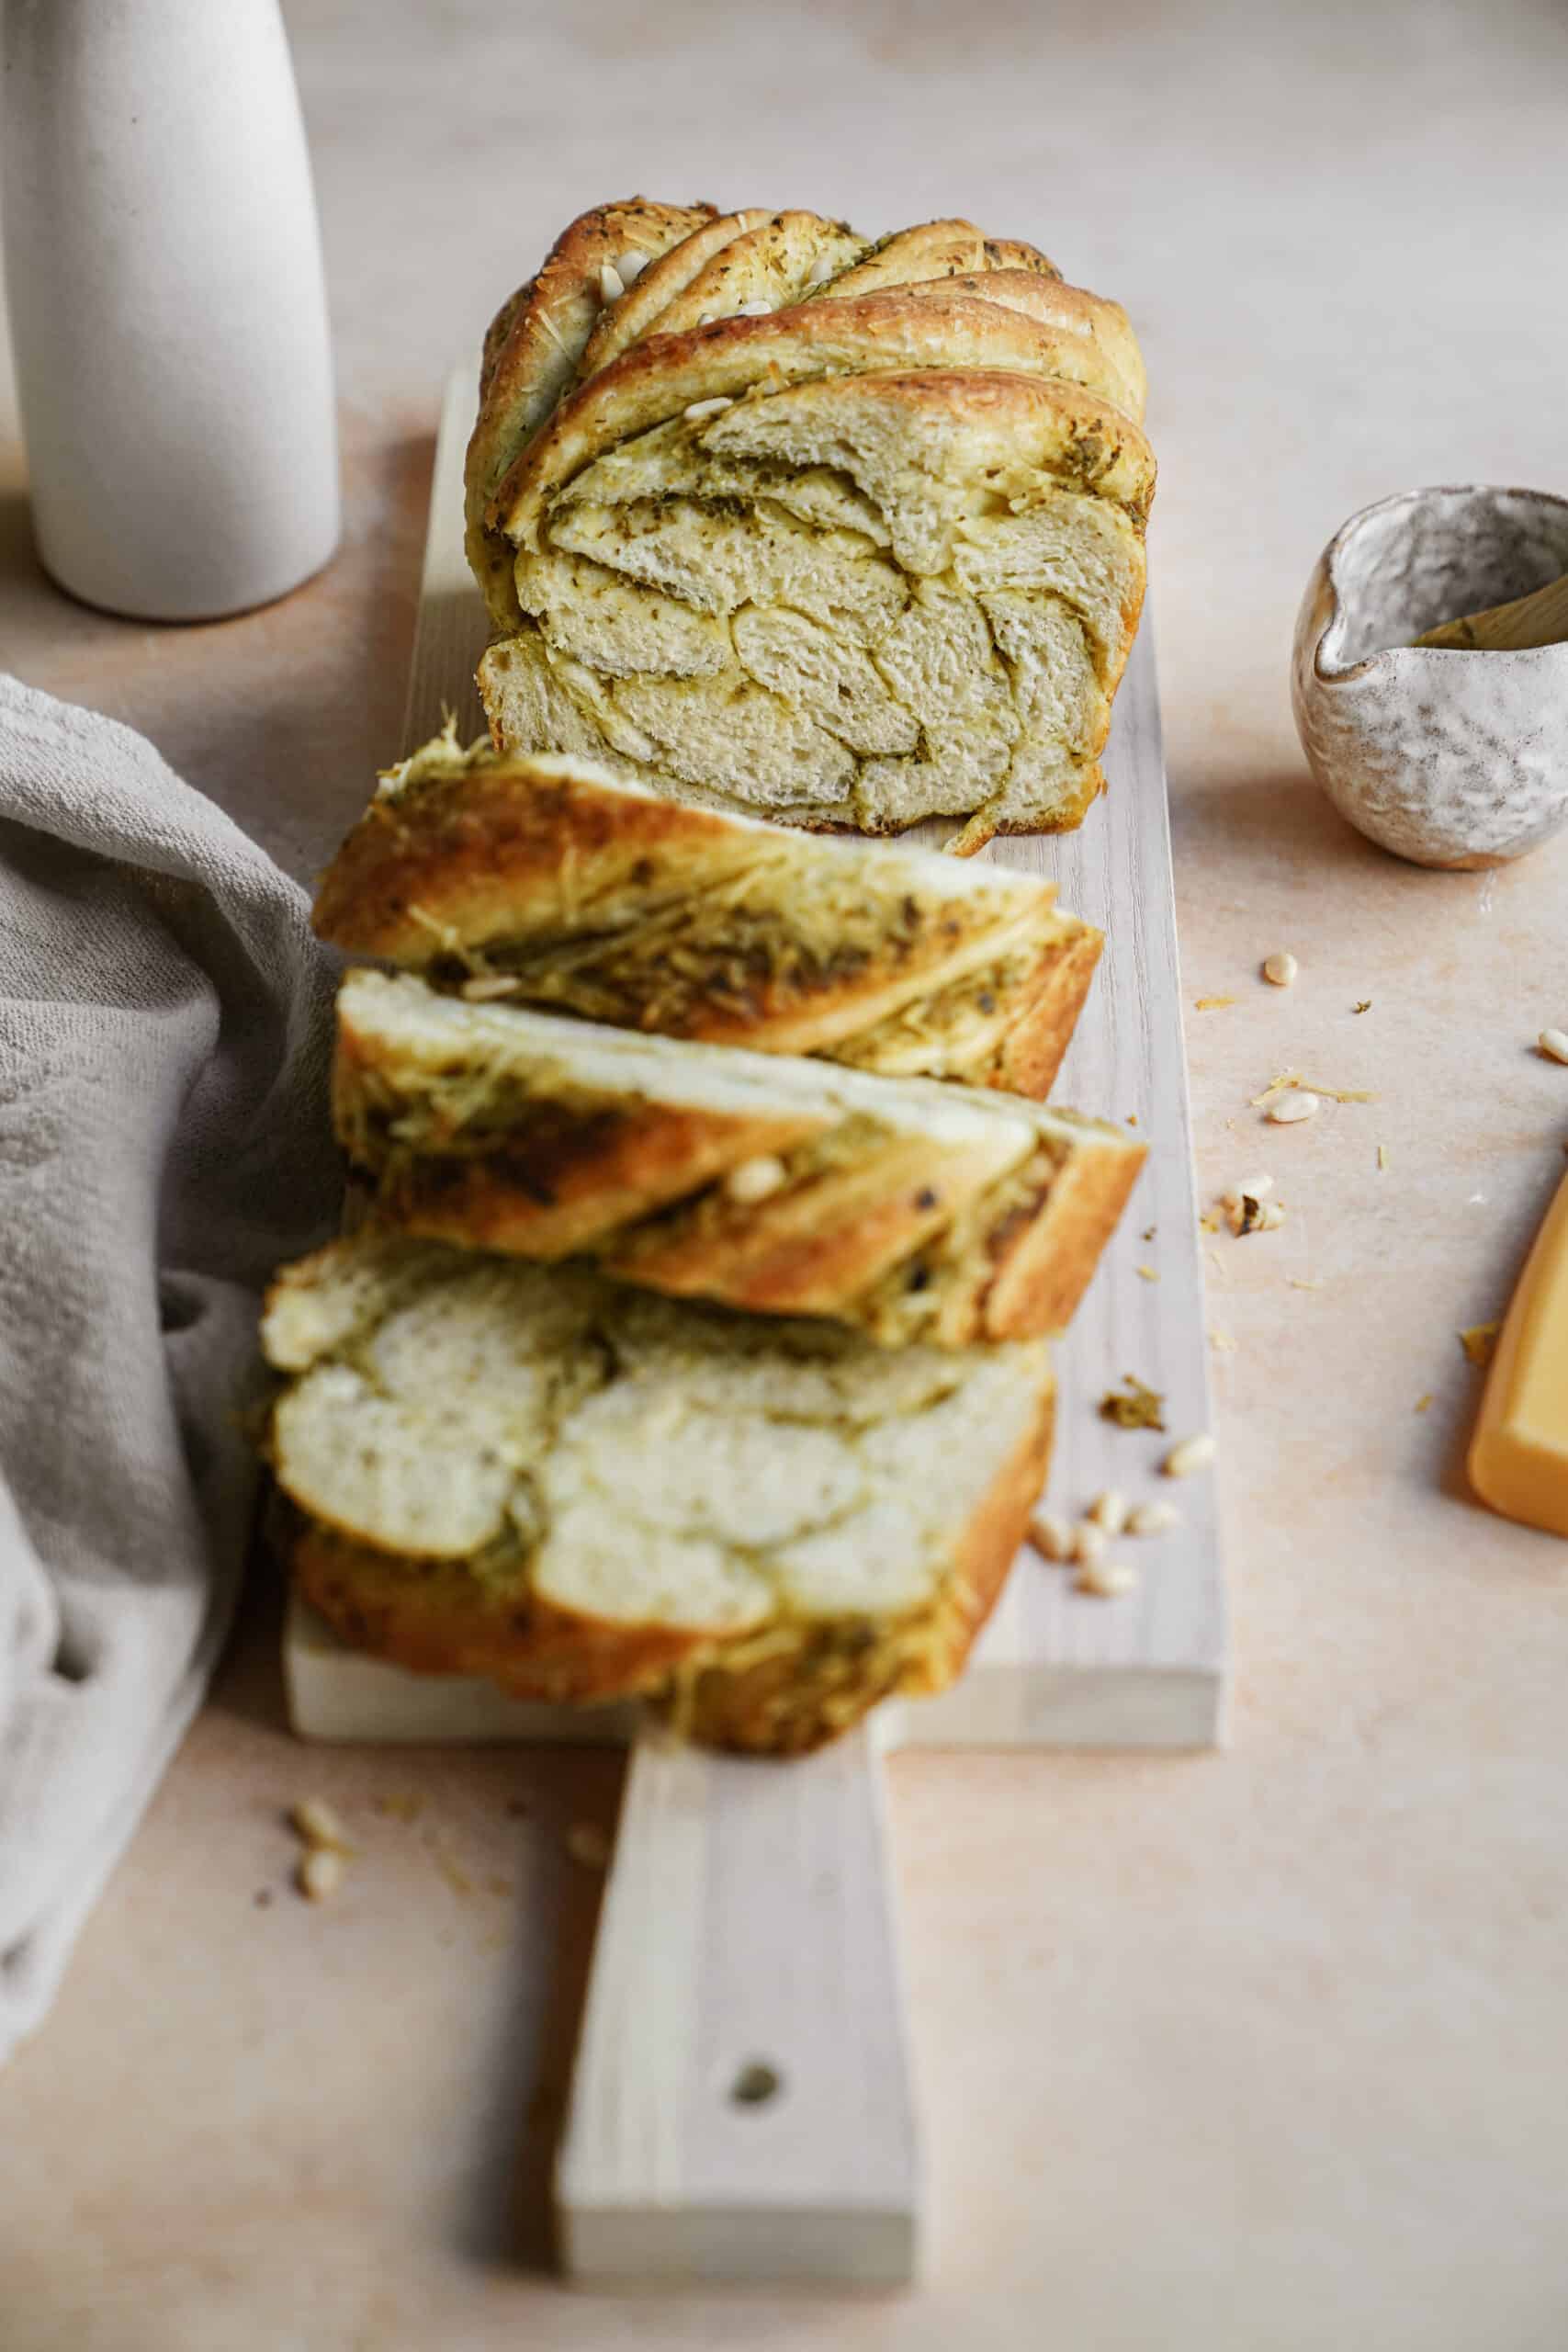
x=838, y=1248
x=662, y=282
x=1030, y=1051
x=580, y=1172
x=477, y=851
x=533, y=346
x=495, y=851
x=1068, y=309
x=770, y=260
x=936, y=249
x=936, y=347
x=435, y=1618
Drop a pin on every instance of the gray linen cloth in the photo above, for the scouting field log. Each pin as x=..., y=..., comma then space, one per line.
x=164, y=1025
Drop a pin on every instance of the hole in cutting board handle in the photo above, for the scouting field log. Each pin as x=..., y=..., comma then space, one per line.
x=756, y=2084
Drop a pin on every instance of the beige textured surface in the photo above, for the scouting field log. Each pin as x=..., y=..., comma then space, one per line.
x=1261, y=2050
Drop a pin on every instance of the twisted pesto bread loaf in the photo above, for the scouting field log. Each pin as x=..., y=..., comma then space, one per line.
x=585, y=1492
x=776, y=519
x=918, y=1212
x=549, y=882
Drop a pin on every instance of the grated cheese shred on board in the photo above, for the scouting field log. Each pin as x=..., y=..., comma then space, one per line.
x=1289, y=1078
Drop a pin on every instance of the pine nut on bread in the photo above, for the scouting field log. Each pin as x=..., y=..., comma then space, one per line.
x=583, y=1491
x=549, y=882
x=918, y=1212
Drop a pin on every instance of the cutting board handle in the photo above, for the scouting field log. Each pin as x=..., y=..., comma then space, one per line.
x=741, y=2107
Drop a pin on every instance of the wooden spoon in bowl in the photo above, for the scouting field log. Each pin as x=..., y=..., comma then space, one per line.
x=1540, y=618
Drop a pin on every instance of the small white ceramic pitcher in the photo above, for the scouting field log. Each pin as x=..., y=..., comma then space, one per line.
x=168, y=314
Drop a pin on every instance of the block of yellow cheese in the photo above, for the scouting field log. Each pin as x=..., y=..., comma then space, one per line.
x=1519, y=1456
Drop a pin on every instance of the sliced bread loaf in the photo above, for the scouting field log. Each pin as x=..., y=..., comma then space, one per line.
x=916, y=1211
x=853, y=534
x=549, y=882
x=584, y=1492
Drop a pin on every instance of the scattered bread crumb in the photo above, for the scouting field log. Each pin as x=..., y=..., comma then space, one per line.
x=1152, y=1519
x=1364, y=1006
x=1140, y=1409
x=1109, y=1510
x=1553, y=1044
x=1193, y=1454
x=1288, y=1110
x=1208, y=1225
x=1223, y=1340
x=1302, y=1282
x=1478, y=1342
x=1281, y=969
x=587, y=1844
x=1382, y=1158
x=1212, y=1003
x=1423, y=1403
x=399, y=1807
x=1289, y=1078
x=1148, y=1273
x=451, y=1870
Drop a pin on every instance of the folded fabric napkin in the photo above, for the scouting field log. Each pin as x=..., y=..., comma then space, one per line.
x=164, y=1027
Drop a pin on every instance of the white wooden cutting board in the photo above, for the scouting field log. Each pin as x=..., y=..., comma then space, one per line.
x=749, y=1918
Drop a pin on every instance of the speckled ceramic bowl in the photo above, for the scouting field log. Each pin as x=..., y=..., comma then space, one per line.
x=1448, y=758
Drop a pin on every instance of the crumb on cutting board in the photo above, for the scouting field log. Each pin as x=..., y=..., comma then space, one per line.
x=1140, y=1409
x=587, y=1844
x=1478, y=1342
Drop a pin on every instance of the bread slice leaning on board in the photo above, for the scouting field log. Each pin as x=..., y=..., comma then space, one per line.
x=584, y=1492
x=775, y=518
x=549, y=882
x=915, y=1211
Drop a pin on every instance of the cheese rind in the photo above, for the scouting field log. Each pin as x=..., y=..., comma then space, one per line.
x=1519, y=1456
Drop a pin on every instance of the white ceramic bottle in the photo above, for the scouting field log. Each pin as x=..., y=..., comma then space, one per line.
x=168, y=314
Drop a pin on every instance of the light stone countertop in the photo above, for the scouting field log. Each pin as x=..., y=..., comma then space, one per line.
x=1261, y=2051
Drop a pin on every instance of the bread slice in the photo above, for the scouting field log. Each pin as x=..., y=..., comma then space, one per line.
x=918, y=1212
x=849, y=533
x=586, y=1492
x=549, y=882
